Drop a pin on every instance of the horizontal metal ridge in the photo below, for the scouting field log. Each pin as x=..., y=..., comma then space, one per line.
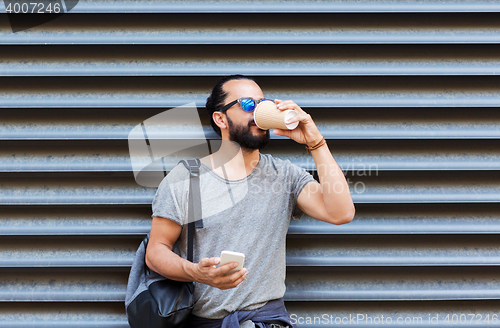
x=59, y=315
x=308, y=92
x=320, y=284
x=61, y=124
x=355, y=157
x=401, y=67
x=52, y=285
x=277, y=6
x=331, y=262
x=338, y=131
x=411, y=224
x=384, y=261
x=370, y=220
x=348, y=163
x=393, y=250
x=74, y=191
x=117, y=29
x=361, y=225
x=343, y=251
x=75, y=221
x=61, y=252
x=283, y=60
x=306, y=314
x=380, y=188
x=138, y=99
x=256, y=68
x=384, y=284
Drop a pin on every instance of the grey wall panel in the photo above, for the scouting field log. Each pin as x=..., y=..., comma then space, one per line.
x=286, y=60
x=69, y=252
x=373, y=283
x=62, y=285
x=57, y=315
x=334, y=123
x=348, y=251
x=306, y=314
x=369, y=159
x=166, y=92
x=390, y=187
x=57, y=190
x=398, y=251
x=405, y=92
x=75, y=221
x=244, y=29
x=303, y=284
x=407, y=219
x=381, y=219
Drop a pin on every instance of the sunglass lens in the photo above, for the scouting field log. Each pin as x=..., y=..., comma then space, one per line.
x=247, y=104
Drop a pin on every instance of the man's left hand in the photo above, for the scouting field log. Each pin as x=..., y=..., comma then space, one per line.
x=306, y=132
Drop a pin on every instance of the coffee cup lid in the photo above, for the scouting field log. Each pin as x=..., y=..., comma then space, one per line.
x=288, y=116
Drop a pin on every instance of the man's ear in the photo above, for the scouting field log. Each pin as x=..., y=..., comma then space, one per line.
x=220, y=120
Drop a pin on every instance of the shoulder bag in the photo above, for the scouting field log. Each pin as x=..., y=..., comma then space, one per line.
x=153, y=301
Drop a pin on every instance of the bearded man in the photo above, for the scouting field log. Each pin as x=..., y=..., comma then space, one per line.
x=248, y=200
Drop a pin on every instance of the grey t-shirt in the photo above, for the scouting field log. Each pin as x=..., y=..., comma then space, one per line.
x=249, y=215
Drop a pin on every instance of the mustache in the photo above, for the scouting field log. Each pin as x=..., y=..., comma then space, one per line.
x=252, y=122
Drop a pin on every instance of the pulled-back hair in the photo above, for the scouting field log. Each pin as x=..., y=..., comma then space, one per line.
x=218, y=97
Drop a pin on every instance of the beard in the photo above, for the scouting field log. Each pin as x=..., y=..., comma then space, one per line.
x=243, y=136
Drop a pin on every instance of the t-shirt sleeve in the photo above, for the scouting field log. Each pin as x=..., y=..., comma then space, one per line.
x=300, y=178
x=166, y=203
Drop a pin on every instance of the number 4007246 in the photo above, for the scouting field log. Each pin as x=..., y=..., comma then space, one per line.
x=28, y=7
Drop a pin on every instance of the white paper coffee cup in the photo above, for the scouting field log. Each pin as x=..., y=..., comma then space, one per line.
x=268, y=116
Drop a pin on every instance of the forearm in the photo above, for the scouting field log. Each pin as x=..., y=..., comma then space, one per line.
x=162, y=260
x=335, y=189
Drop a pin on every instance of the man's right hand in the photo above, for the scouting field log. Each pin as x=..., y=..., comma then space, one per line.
x=206, y=272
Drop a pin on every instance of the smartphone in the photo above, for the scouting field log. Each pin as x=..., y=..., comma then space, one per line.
x=228, y=257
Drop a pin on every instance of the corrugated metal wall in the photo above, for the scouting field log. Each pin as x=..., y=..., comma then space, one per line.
x=406, y=93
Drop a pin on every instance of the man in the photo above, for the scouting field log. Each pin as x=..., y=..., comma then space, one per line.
x=248, y=200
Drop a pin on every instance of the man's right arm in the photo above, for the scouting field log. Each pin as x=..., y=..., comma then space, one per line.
x=161, y=259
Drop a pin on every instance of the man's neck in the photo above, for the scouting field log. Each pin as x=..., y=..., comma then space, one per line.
x=233, y=162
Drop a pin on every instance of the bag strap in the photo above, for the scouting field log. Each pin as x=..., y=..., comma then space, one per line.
x=195, y=219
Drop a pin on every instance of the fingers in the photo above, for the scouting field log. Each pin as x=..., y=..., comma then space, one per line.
x=223, y=269
x=233, y=280
x=209, y=262
x=223, y=281
x=304, y=118
x=218, y=277
x=288, y=104
x=281, y=132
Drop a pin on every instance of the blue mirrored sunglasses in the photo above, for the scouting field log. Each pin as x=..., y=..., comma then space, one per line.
x=247, y=104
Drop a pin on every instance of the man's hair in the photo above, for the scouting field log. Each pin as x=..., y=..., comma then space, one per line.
x=218, y=97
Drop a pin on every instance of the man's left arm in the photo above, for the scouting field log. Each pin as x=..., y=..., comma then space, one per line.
x=330, y=199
